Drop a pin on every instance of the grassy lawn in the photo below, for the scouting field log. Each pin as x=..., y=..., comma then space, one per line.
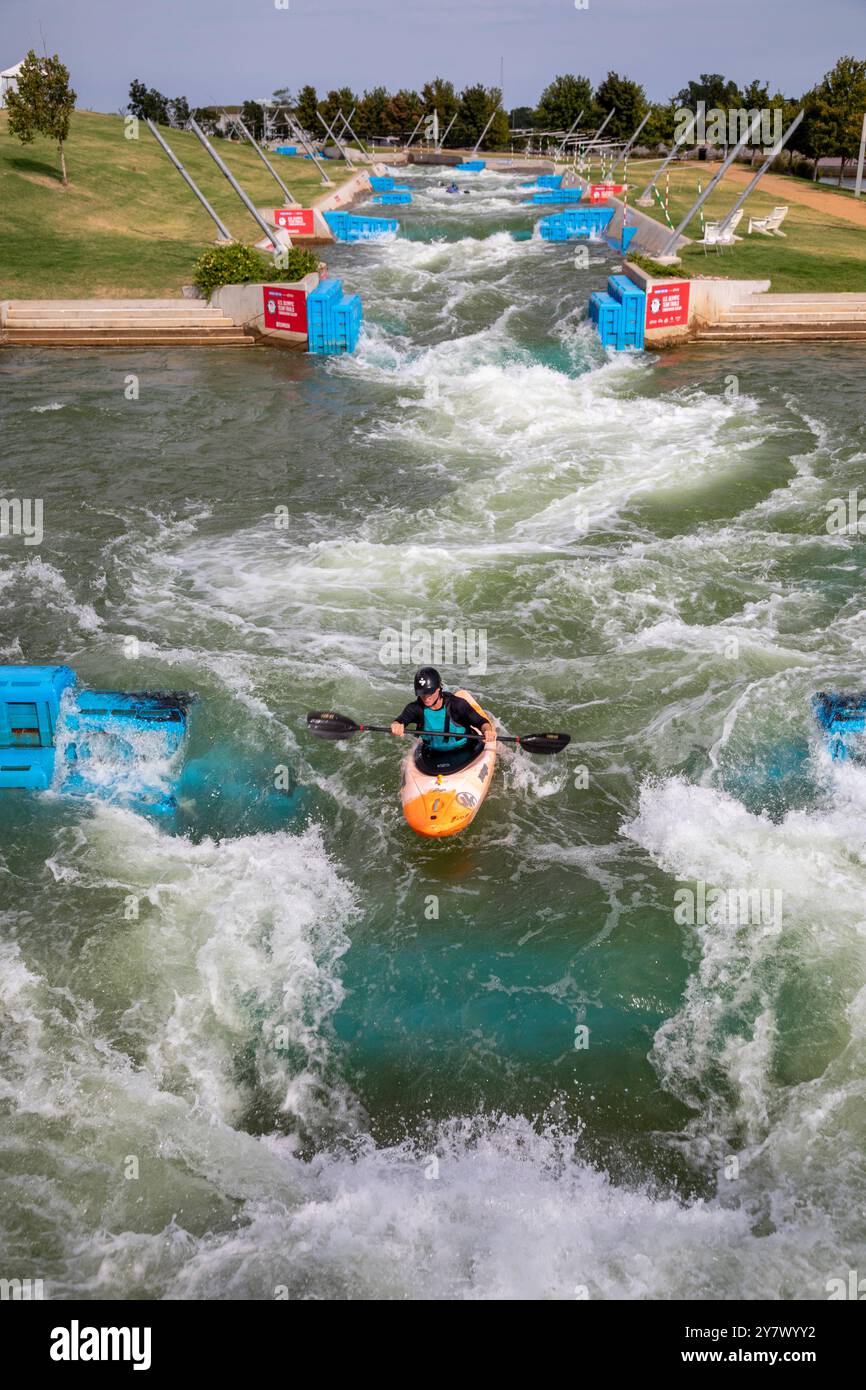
x=127, y=225
x=819, y=252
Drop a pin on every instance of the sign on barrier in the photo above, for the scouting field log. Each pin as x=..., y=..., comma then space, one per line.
x=285, y=309
x=298, y=220
x=667, y=306
x=598, y=192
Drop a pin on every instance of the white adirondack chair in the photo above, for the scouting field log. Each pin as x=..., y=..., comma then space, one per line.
x=718, y=235
x=769, y=225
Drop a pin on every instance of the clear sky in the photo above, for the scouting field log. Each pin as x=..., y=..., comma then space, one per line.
x=223, y=51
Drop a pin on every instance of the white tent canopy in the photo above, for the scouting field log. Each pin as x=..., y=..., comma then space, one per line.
x=8, y=82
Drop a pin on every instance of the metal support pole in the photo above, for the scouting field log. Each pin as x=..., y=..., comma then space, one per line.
x=223, y=230
x=780, y=145
x=646, y=197
x=340, y=146
x=448, y=131
x=859, y=181
x=485, y=130
x=263, y=157
x=670, y=245
x=602, y=126
x=224, y=169
x=569, y=133
x=625, y=152
x=364, y=149
x=296, y=130
x=415, y=131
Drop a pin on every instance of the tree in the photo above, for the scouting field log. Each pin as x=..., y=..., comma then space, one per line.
x=711, y=88
x=477, y=105
x=208, y=118
x=147, y=103
x=834, y=114
x=43, y=103
x=372, y=107
x=282, y=96
x=253, y=117
x=659, y=129
x=522, y=118
x=630, y=101
x=440, y=96
x=562, y=101
x=307, y=106
x=403, y=112
x=344, y=100
x=179, y=111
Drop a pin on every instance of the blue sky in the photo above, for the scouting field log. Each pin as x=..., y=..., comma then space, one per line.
x=216, y=51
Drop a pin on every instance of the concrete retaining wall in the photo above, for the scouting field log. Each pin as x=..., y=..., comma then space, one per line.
x=651, y=235
x=243, y=305
x=707, y=299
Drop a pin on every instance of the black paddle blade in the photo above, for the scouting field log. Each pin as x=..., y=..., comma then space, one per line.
x=325, y=724
x=544, y=743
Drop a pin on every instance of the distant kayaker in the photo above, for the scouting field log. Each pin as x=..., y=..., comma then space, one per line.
x=440, y=710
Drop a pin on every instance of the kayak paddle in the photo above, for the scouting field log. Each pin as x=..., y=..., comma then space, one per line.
x=339, y=726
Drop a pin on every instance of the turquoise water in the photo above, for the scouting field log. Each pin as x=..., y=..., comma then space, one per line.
x=355, y=1063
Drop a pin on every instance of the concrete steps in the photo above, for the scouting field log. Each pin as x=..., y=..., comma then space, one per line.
x=835, y=330
x=119, y=323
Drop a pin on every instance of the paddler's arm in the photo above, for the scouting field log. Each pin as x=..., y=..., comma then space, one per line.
x=465, y=714
x=410, y=715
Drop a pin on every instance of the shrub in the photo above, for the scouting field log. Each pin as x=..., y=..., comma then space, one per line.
x=299, y=262
x=243, y=265
x=658, y=271
x=235, y=264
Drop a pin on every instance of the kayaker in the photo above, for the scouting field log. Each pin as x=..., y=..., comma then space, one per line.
x=440, y=710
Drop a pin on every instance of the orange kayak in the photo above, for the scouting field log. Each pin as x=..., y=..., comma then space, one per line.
x=439, y=799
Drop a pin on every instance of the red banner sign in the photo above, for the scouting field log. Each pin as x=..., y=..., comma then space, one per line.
x=285, y=309
x=667, y=306
x=598, y=192
x=297, y=220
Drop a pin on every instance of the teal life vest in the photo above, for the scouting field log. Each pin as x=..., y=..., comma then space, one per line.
x=438, y=719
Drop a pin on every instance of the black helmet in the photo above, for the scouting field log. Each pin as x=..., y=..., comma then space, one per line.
x=427, y=681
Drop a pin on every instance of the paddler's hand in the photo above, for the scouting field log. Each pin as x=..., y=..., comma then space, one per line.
x=397, y=729
x=489, y=735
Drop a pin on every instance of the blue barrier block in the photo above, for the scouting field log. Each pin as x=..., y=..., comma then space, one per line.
x=394, y=197
x=578, y=222
x=562, y=195
x=473, y=166
x=380, y=184
x=347, y=226
x=333, y=319
x=287, y=149
x=608, y=320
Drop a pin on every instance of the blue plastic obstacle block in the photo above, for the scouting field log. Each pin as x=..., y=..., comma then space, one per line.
x=333, y=319
x=347, y=226
x=29, y=713
x=632, y=301
x=395, y=197
x=107, y=739
x=606, y=314
x=287, y=149
x=545, y=181
x=577, y=222
x=473, y=166
x=562, y=195
x=380, y=184
x=843, y=718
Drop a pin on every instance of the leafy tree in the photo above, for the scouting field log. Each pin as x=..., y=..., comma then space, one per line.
x=477, y=105
x=343, y=99
x=179, y=111
x=208, y=118
x=282, y=96
x=306, y=109
x=148, y=104
x=659, y=129
x=403, y=112
x=562, y=101
x=711, y=88
x=43, y=103
x=630, y=101
x=440, y=96
x=834, y=114
x=522, y=118
x=756, y=96
x=253, y=117
x=370, y=119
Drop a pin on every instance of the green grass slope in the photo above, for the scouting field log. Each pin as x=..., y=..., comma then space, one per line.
x=127, y=225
